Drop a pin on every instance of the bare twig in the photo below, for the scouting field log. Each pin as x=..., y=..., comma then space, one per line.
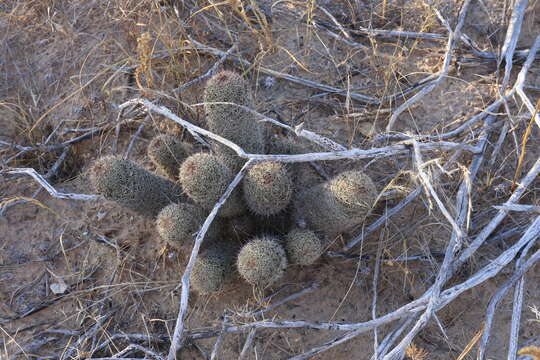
x=335, y=155
x=455, y=243
x=134, y=138
x=217, y=345
x=294, y=79
x=132, y=347
x=376, y=272
x=387, y=259
x=431, y=191
x=520, y=83
x=247, y=344
x=492, y=306
x=84, y=337
x=497, y=219
x=33, y=347
x=516, y=319
x=512, y=36
x=50, y=189
x=56, y=166
x=452, y=38
x=322, y=141
x=129, y=337
x=282, y=301
x=210, y=71
x=391, y=212
x=518, y=207
x=54, y=147
x=184, y=298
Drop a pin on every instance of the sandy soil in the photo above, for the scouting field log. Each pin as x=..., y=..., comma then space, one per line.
x=60, y=69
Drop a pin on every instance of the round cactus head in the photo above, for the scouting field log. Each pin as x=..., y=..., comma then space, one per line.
x=355, y=191
x=262, y=261
x=167, y=154
x=231, y=121
x=178, y=224
x=267, y=188
x=337, y=205
x=204, y=179
x=303, y=247
x=213, y=270
x=132, y=186
x=227, y=86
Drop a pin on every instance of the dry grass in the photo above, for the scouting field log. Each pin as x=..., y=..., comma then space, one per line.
x=67, y=66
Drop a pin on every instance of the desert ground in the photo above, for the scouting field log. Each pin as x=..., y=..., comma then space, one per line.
x=437, y=101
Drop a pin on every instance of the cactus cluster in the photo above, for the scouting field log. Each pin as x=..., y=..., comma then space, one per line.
x=303, y=246
x=264, y=203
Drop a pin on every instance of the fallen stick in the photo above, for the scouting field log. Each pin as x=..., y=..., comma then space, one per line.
x=184, y=297
x=320, y=156
x=209, y=73
x=454, y=245
x=50, y=189
x=281, y=302
x=294, y=79
x=247, y=344
x=452, y=38
x=494, y=301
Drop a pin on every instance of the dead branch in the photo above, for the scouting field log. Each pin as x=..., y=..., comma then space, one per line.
x=68, y=353
x=495, y=299
x=50, y=189
x=209, y=73
x=294, y=79
x=452, y=38
x=519, y=84
x=247, y=344
x=455, y=243
x=518, y=207
x=291, y=297
x=393, y=211
x=512, y=36
x=484, y=234
x=48, y=148
x=320, y=156
x=322, y=141
x=516, y=319
x=217, y=345
x=135, y=347
x=134, y=138
x=184, y=298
